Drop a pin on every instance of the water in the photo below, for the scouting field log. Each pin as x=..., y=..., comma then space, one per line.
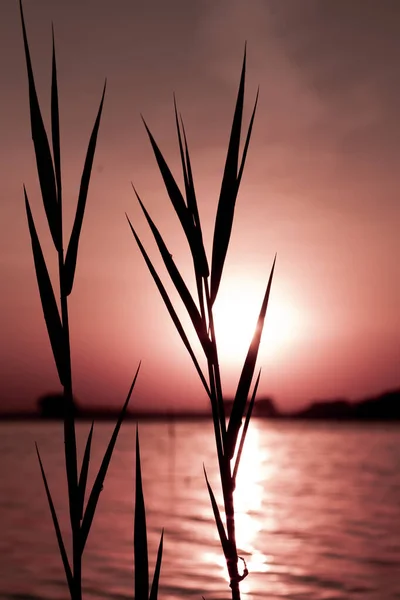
x=318, y=512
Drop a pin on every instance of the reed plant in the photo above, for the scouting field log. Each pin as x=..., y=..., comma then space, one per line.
x=227, y=427
x=81, y=516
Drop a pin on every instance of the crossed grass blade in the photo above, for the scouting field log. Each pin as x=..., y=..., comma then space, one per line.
x=218, y=520
x=245, y=428
x=183, y=161
x=178, y=202
x=191, y=201
x=44, y=161
x=57, y=529
x=98, y=484
x=229, y=188
x=72, y=251
x=55, y=125
x=170, y=308
x=246, y=376
x=140, y=535
x=49, y=305
x=198, y=323
x=84, y=472
x=192, y=205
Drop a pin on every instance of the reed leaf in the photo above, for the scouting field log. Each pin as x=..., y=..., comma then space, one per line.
x=67, y=568
x=98, y=484
x=203, y=270
x=170, y=308
x=180, y=207
x=156, y=577
x=191, y=195
x=42, y=151
x=55, y=125
x=247, y=142
x=217, y=516
x=198, y=323
x=72, y=252
x=84, y=473
x=229, y=189
x=49, y=305
x=140, y=535
x=246, y=376
x=182, y=155
x=246, y=425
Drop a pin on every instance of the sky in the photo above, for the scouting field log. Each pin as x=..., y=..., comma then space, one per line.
x=320, y=189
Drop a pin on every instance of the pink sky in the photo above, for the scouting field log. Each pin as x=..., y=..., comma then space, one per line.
x=320, y=188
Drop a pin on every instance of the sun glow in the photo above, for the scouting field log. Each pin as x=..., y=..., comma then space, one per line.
x=254, y=470
x=236, y=312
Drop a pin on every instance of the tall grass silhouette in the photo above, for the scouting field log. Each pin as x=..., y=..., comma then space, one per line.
x=226, y=427
x=81, y=516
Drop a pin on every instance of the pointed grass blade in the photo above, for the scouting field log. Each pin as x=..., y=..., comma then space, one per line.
x=171, y=186
x=217, y=516
x=55, y=124
x=61, y=546
x=84, y=472
x=246, y=426
x=228, y=193
x=72, y=252
x=179, y=205
x=247, y=142
x=156, y=577
x=246, y=376
x=140, y=535
x=170, y=308
x=44, y=161
x=49, y=305
x=201, y=268
x=198, y=323
x=183, y=161
x=98, y=484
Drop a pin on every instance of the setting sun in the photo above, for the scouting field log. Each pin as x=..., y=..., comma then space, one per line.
x=236, y=312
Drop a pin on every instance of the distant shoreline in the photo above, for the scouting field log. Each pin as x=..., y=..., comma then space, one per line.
x=382, y=408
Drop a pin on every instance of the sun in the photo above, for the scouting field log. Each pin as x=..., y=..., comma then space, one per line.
x=236, y=312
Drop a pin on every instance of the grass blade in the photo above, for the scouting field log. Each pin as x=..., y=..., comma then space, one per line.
x=42, y=150
x=156, y=578
x=217, y=516
x=172, y=188
x=202, y=269
x=49, y=305
x=228, y=194
x=61, y=546
x=246, y=376
x=84, y=473
x=72, y=252
x=98, y=484
x=246, y=425
x=140, y=535
x=180, y=207
x=247, y=142
x=198, y=323
x=191, y=196
x=55, y=124
x=170, y=308
x=183, y=162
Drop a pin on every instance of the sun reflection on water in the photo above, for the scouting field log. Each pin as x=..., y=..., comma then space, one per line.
x=254, y=471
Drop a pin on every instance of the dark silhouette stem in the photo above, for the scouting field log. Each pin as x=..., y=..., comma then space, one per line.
x=69, y=435
x=223, y=460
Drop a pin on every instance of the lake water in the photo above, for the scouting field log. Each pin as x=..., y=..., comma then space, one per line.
x=318, y=512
